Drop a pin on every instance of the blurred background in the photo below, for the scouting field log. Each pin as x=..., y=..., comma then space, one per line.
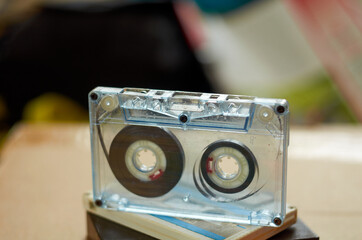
x=52, y=53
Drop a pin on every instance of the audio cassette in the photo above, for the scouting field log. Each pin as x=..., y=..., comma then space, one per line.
x=192, y=155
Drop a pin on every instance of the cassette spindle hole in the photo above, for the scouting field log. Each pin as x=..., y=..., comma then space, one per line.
x=145, y=160
x=227, y=167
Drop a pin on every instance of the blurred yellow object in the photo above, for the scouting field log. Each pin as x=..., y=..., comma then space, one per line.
x=53, y=107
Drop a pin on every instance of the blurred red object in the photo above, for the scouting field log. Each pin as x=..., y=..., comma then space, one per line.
x=190, y=21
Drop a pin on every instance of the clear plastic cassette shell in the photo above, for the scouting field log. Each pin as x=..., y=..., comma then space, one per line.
x=183, y=154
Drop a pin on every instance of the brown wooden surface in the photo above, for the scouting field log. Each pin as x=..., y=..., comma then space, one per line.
x=45, y=169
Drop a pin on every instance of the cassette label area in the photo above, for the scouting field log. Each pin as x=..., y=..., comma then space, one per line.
x=183, y=154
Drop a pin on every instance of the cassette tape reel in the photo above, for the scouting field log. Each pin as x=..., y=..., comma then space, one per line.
x=198, y=155
x=227, y=167
x=148, y=161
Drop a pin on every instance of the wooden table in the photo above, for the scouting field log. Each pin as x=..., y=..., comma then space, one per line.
x=44, y=170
